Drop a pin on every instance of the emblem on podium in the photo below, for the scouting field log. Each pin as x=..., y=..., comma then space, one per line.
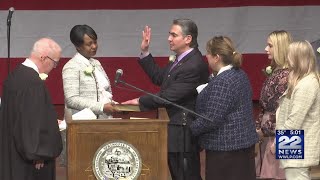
x=117, y=160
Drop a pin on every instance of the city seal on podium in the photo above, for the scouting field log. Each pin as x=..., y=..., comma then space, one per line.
x=117, y=160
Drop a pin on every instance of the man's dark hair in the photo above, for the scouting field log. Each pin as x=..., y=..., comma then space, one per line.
x=188, y=28
x=77, y=33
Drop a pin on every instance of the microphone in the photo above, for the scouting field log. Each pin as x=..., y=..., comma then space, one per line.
x=117, y=80
x=119, y=73
x=11, y=10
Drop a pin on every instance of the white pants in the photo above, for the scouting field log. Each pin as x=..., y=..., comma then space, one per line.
x=297, y=173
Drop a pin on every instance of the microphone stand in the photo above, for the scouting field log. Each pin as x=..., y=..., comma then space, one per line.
x=176, y=105
x=8, y=41
x=168, y=102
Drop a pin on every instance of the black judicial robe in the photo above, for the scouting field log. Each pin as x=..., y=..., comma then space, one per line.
x=28, y=128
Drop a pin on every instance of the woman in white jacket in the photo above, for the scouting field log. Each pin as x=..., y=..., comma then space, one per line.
x=300, y=109
x=85, y=83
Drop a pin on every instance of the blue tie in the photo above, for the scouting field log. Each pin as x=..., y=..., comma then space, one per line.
x=174, y=64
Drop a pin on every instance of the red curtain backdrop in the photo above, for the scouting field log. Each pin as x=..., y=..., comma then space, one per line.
x=119, y=25
x=144, y=4
x=133, y=74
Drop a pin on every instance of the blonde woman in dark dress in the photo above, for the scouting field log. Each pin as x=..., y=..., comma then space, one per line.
x=273, y=87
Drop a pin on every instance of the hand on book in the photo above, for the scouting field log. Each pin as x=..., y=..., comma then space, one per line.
x=109, y=108
x=132, y=102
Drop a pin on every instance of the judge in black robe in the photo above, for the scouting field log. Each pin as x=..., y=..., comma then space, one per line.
x=29, y=131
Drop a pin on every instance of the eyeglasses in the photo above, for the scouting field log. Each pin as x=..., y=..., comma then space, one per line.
x=55, y=63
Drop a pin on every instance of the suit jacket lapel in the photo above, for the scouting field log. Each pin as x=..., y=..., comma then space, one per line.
x=183, y=60
x=176, y=68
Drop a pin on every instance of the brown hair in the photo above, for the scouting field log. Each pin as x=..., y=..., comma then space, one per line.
x=223, y=46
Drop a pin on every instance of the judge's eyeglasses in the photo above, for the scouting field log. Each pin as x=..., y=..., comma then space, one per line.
x=55, y=63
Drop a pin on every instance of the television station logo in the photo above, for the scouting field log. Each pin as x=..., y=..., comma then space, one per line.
x=289, y=144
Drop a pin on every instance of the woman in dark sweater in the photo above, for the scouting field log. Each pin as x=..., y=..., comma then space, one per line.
x=230, y=136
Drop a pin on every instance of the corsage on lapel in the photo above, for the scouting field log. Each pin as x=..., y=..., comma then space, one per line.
x=172, y=58
x=43, y=76
x=267, y=71
x=89, y=70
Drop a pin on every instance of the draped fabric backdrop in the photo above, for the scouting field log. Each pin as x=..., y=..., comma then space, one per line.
x=119, y=25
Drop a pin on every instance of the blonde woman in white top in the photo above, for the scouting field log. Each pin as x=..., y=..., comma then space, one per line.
x=300, y=109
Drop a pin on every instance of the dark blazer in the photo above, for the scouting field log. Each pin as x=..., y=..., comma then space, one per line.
x=227, y=101
x=315, y=46
x=178, y=86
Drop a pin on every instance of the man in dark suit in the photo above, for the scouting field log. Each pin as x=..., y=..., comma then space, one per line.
x=178, y=82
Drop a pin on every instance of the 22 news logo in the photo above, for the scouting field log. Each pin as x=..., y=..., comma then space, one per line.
x=289, y=144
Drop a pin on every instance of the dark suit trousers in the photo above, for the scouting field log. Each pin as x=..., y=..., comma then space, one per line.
x=184, y=166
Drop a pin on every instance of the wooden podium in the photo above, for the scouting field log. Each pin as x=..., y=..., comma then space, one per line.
x=148, y=136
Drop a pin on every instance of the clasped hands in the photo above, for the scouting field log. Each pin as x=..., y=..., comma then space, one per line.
x=38, y=164
x=260, y=135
